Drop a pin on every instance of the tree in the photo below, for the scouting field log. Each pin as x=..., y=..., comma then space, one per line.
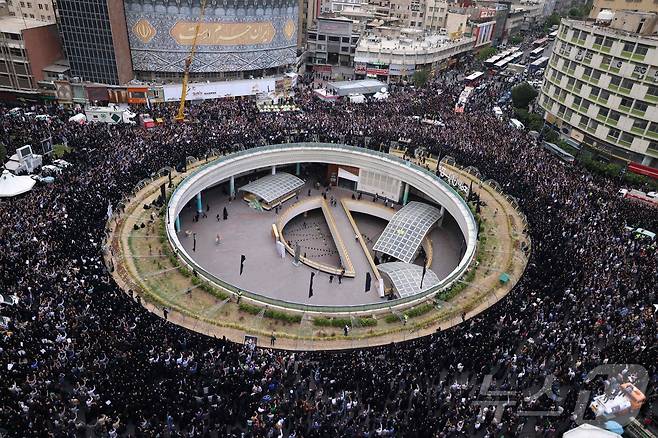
x=575, y=13
x=516, y=39
x=486, y=53
x=553, y=20
x=551, y=136
x=421, y=77
x=522, y=115
x=523, y=94
x=535, y=122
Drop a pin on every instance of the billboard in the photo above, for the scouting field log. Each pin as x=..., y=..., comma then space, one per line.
x=218, y=90
x=233, y=36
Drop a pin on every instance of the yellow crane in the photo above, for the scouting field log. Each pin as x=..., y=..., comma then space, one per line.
x=180, y=117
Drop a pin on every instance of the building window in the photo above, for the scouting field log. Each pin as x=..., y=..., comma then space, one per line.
x=640, y=106
x=652, y=91
x=641, y=49
x=588, y=56
x=640, y=124
x=626, y=138
x=626, y=102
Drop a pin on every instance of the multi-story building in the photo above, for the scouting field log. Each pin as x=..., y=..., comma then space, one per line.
x=27, y=47
x=524, y=16
x=41, y=10
x=620, y=5
x=115, y=42
x=331, y=44
x=95, y=40
x=393, y=58
x=436, y=14
x=601, y=85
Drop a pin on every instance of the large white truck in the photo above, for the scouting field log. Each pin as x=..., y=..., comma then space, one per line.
x=111, y=114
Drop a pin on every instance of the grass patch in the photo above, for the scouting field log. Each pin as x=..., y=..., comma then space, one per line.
x=342, y=322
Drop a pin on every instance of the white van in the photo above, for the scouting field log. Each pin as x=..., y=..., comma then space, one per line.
x=516, y=124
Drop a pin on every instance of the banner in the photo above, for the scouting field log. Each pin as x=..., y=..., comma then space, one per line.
x=217, y=90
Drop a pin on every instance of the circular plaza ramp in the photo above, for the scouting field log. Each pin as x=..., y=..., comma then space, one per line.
x=309, y=240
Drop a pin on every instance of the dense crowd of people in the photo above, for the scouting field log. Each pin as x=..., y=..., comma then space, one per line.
x=79, y=355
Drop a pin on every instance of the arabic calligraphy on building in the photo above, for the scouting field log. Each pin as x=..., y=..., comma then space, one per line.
x=223, y=34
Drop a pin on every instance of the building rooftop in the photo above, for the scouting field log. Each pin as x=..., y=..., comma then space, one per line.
x=364, y=86
x=590, y=22
x=427, y=42
x=16, y=25
x=406, y=277
x=403, y=235
x=273, y=187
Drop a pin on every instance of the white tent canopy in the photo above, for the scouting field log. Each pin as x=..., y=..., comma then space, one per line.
x=78, y=118
x=12, y=185
x=589, y=431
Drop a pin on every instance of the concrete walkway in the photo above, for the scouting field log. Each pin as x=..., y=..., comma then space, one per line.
x=249, y=232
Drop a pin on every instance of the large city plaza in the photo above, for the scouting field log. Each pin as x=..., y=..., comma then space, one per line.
x=340, y=231
x=341, y=269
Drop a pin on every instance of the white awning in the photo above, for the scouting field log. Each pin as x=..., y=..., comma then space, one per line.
x=12, y=185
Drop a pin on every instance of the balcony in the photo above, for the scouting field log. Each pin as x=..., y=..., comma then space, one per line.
x=626, y=54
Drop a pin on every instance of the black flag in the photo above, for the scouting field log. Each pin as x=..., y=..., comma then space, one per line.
x=310, y=285
x=242, y=259
x=423, y=276
x=368, y=280
x=470, y=192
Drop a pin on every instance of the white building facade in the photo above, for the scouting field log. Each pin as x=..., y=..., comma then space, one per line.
x=601, y=89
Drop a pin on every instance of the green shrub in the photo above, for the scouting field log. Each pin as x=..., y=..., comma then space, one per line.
x=272, y=314
x=411, y=313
